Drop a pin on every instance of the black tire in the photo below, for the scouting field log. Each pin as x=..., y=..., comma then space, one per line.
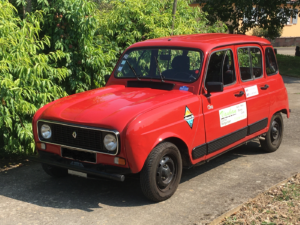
x=54, y=171
x=274, y=135
x=161, y=173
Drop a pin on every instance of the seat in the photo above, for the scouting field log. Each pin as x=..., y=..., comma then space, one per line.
x=180, y=65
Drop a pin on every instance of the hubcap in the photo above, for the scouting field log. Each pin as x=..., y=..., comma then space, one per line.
x=165, y=172
x=275, y=131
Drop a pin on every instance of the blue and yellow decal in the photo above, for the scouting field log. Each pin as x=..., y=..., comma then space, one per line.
x=189, y=117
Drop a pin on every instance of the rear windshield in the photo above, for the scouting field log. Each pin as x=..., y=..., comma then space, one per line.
x=172, y=64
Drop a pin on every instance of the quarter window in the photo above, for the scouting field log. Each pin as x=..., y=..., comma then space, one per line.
x=250, y=63
x=221, y=68
x=271, y=65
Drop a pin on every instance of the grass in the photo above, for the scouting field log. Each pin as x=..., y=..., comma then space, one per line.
x=279, y=205
x=288, y=65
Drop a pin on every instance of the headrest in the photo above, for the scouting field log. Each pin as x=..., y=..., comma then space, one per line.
x=181, y=63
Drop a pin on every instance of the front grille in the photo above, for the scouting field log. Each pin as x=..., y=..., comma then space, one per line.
x=85, y=138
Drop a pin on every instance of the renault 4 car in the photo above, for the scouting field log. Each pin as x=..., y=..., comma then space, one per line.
x=170, y=103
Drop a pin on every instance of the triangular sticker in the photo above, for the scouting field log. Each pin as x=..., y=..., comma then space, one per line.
x=187, y=111
x=189, y=117
x=190, y=122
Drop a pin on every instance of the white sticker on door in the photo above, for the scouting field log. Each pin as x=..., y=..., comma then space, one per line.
x=251, y=91
x=233, y=114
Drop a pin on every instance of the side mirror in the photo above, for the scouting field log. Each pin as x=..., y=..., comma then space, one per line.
x=214, y=87
x=106, y=78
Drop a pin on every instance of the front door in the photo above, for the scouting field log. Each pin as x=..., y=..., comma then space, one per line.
x=225, y=113
x=255, y=85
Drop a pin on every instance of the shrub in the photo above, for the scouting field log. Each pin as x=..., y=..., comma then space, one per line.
x=72, y=26
x=272, y=34
x=28, y=78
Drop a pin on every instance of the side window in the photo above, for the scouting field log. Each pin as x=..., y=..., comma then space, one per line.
x=271, y=65
x=250, y=63
x=244, y=63
x=256, y=59
x=221, y=68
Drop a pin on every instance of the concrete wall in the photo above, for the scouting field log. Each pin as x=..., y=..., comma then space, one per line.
x=286, y=41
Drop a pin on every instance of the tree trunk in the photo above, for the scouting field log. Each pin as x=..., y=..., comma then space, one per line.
x=173, y=13
x=27, y=8
x=24, y=12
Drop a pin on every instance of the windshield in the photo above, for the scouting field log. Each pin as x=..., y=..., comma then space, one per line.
x=160, y=63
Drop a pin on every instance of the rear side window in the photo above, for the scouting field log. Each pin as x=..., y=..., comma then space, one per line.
x=250, y=63
x=271, y=65
x=221, y=68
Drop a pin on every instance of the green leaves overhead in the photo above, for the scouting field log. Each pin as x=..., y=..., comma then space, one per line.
x=131, y=21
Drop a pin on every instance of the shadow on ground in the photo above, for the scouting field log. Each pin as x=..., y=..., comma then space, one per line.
x=30, y=184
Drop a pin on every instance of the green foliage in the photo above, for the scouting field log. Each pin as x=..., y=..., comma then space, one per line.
x=242, y=15
x=73, y=29
x=28, y=78
x=131, y=21
x=244, y=58
x=260, y=32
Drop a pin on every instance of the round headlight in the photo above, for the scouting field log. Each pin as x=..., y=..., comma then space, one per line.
x=46, y=131
x=110, y=142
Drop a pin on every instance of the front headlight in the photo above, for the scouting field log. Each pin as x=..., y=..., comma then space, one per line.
x=46, y=131
x=110, y=142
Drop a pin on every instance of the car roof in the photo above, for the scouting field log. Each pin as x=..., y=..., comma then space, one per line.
x=205, y=42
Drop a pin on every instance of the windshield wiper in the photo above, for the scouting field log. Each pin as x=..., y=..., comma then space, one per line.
x=161, y=76
x=133, y=70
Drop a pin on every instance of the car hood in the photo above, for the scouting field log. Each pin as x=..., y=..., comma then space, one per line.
x=110, y=107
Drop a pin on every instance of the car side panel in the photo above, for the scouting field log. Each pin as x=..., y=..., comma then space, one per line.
x=149, y=129
x=258, y=106
x=278, y=95
x=277, y=91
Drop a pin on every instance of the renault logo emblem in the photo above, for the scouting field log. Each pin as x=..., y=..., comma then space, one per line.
x=74, y=134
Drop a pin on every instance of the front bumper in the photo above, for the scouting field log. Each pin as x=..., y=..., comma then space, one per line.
x=99, y=170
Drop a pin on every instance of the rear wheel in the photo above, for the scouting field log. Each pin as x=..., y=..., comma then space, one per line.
x=161, y=173
x=54, y=171
x=274, y=135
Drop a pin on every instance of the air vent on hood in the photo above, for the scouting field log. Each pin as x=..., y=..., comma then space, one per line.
x=151, y=84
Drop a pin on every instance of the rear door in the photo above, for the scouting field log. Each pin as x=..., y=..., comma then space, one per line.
x=255, y=85
x=225, y=112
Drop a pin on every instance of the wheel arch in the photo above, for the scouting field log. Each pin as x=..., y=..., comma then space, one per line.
x=281, y=110
x=183, y=148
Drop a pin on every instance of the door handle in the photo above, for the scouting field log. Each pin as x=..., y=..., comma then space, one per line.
x=264, y=87
x=239, y=94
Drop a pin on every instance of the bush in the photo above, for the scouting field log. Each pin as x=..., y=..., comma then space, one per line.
x=272, y=34
x=73, y=29
x=66, y=47
x=28, y=78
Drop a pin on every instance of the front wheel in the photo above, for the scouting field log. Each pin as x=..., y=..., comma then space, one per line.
x=161, y=173
x=274, y=135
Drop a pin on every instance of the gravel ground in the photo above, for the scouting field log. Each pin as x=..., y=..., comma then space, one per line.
x=279, y=205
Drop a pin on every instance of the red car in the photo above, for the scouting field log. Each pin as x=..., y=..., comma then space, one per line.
x=170, y=103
